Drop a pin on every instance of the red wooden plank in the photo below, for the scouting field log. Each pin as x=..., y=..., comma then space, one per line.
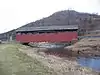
x=47, y=37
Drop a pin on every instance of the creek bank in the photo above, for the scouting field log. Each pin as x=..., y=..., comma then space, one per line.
x=88, y=47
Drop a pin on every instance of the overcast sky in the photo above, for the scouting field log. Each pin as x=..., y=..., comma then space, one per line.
x=15, y=13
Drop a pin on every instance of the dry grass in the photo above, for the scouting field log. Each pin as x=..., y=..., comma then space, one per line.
x=59, y=65
x=86, y=47
x=14, y=62
x=87, y=43
x=16, y=59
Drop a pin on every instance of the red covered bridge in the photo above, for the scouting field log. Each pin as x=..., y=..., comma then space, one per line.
x=65, y=33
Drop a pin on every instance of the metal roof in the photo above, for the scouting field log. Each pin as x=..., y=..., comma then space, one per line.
x=47, y=28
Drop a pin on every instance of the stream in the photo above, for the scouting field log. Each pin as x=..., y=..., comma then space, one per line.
x=93, y=63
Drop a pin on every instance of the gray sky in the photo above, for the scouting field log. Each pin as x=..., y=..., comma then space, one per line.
x=15, y=13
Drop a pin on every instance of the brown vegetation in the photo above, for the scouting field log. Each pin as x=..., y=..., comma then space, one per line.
x=86, y=47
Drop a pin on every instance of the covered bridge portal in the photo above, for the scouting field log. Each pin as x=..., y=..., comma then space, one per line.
x=47, y=34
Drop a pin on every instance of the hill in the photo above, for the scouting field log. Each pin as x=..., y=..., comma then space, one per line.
x=86, y=21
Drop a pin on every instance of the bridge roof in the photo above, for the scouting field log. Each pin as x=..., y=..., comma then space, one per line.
x=67, y=27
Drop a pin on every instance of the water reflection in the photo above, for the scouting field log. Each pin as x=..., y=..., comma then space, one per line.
x=49, y=45
x=93, y=63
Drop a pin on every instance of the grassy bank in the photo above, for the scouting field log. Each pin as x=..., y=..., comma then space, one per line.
x=14, y=62
x=16, y=59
